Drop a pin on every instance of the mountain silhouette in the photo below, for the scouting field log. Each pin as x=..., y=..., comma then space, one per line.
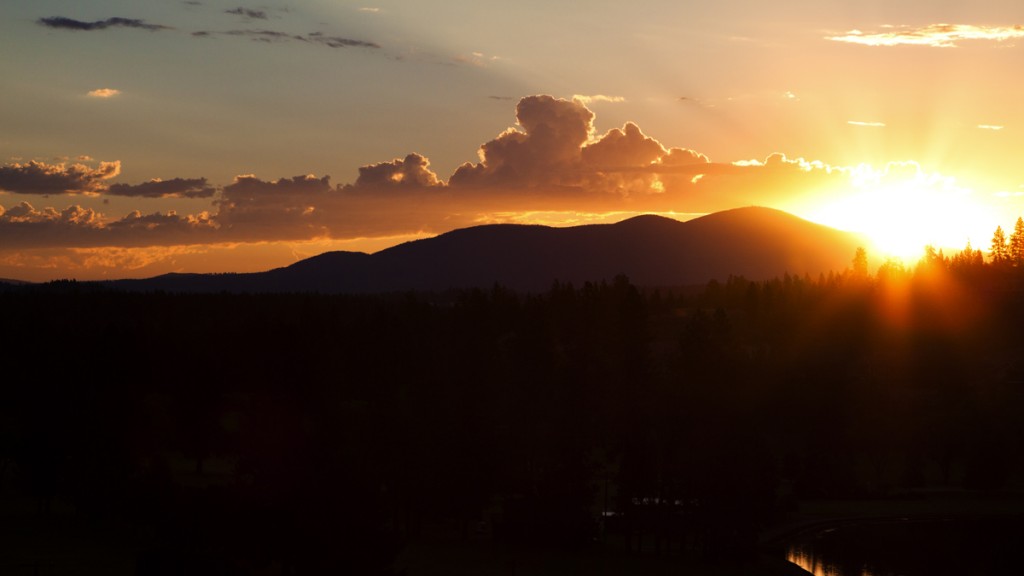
x=758, y=243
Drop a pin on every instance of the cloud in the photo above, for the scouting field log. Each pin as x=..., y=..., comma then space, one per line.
x=25, y=213
x=555, y=152
x=994, y=127
x=551, y=162
x=478, y=59
x=553, y=133
x=337, y=41
x=173, y=188
x=61, y=22
x=41, y=178
x=24, y=226
x=626, y=147
x=248, y=13
x=369, y=9
x=252, y=209
x=413, y=170
x=103, y=93
x=866, y=124
x=275, y=36
x=932, y=35
x=583, y=99
x=683, y=157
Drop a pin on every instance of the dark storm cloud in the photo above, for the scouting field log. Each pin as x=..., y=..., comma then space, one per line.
x=173, y=188
x=61, y=22
x=248, y=13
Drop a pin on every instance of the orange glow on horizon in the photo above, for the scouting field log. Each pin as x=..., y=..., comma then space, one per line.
x=902, y=209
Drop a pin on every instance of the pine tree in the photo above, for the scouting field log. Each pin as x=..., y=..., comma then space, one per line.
x=860, y=263
x=1000, y=251
x=1017, y=243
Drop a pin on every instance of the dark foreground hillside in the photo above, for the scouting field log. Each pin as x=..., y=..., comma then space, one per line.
x=307, y=434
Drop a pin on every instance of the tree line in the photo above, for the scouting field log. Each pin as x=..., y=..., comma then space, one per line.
x=321, y=432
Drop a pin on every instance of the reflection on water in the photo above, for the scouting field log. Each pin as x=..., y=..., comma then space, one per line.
x=805, y=558
x=936, y=547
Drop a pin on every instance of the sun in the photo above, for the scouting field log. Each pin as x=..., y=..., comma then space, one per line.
x=901, y=209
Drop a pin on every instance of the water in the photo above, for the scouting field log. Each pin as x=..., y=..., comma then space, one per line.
x=938, y=547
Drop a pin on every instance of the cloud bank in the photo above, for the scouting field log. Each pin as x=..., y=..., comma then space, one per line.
x=551, y=161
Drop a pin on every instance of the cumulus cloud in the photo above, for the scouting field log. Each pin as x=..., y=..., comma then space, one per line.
x=173, y=188
x=413, y=170
x=103, y=93
x=626, y=147
x=683, y=157
x=932, y=35
x=248, y=13
x=552, y=136
x=35, y=177
x=61, y=22
x=25, y=213
x=554, y=149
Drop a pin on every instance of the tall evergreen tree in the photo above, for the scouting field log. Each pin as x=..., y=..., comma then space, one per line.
x=860, y=263
x=1017, y=243
x=1000, y=251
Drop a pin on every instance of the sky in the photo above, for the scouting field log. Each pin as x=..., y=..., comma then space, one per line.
x=139, y=137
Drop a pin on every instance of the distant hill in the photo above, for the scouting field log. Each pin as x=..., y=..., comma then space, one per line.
x=758, y=243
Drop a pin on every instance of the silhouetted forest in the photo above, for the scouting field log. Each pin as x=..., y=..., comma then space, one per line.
x=304, y=433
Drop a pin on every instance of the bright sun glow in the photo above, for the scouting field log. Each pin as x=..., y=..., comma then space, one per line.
x=902, y=209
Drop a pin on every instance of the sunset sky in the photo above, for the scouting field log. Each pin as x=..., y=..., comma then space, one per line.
x=139, y=137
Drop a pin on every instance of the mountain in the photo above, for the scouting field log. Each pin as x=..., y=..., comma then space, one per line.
x=758, y=243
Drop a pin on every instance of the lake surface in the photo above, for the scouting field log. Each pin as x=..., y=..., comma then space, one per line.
x=989, y=546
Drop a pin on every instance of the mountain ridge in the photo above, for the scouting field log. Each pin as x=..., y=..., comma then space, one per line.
x=652, y=250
